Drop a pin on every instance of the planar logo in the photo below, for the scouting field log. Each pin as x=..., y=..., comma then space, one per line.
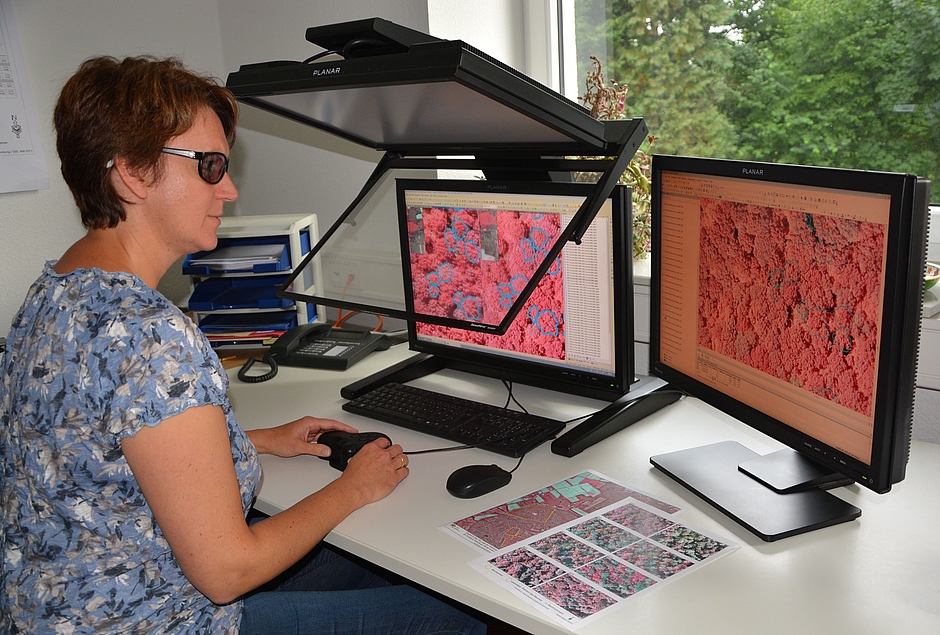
x=752, y=172
x=317, y=72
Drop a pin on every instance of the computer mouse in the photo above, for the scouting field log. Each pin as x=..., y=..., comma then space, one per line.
x=471, y=481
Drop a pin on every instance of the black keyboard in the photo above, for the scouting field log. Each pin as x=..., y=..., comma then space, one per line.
x=467, y=422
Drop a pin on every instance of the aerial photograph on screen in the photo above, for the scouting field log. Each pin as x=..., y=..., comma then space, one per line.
x=794, y=295
x=471, y=265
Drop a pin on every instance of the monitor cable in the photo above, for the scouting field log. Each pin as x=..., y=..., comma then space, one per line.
x=509, y=398
x=348, y=49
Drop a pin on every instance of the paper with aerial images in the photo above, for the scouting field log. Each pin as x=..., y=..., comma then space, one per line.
x=547, y=508
x=605, y=544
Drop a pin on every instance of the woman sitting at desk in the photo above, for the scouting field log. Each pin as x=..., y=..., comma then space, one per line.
x=124, y=478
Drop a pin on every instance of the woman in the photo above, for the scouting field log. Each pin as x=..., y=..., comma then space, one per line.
x=125, y=479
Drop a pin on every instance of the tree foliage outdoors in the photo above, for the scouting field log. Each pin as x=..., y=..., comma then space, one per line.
x=673, y=63
x=819, y=82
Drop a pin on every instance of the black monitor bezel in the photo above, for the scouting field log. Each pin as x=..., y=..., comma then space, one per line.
x=901, y=315
x=543, y=375
x=446, y=61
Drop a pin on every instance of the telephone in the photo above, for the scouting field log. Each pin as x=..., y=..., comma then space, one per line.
x=317, y=346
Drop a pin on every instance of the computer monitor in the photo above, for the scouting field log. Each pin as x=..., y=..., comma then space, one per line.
x=789, y=297
x=468, y=247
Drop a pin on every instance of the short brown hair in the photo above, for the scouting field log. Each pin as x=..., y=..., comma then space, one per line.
x=127, y=108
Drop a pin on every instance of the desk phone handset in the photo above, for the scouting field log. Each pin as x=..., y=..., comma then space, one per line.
x=317, y=346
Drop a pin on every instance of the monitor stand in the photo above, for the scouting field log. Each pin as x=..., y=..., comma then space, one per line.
x=787, y=471
x=406, y=370
x=712, y=472
x=642, y=401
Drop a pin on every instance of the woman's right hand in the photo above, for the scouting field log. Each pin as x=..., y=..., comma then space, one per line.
x=376, y=469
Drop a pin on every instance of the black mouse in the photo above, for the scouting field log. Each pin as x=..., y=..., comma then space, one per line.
x=344, y=445
x=471, y=481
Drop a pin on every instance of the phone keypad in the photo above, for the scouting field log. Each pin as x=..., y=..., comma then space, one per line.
x=323, y=348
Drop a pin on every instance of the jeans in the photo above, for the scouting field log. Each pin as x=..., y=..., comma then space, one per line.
x=328, y=593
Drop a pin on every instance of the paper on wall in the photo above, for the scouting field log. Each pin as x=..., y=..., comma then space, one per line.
x=22, y=165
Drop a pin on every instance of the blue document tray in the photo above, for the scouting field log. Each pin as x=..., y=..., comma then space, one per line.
x=237, y=322
x=237, y=258
x=238, y=293
x=191, y=268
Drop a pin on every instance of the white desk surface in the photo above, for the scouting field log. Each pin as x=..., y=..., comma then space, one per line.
x=878, y=575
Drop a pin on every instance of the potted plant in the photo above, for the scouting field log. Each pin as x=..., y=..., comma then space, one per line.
x=606, y=101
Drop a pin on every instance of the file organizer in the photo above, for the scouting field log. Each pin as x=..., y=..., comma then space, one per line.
x=228, y=296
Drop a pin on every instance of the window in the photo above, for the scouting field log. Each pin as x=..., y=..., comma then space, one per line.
x=836, y=83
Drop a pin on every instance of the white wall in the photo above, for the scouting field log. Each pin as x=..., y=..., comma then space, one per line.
x=521, y=33
x=495, y=27
x=56, y=36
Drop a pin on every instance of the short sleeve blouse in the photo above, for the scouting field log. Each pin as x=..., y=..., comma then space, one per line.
x=92, y=358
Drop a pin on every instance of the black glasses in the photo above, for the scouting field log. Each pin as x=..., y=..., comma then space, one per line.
x=212, y=165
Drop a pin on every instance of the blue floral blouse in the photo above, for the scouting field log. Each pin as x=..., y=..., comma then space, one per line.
x=92, y=358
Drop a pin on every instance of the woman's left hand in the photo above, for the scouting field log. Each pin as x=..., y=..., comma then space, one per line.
x=296, y=438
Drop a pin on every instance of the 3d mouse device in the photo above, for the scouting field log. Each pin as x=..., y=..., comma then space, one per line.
x=344, y=445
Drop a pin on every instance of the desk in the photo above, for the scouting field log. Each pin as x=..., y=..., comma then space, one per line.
x=878, y=575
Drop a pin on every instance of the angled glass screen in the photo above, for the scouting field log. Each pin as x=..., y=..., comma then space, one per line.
x=359, y=258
